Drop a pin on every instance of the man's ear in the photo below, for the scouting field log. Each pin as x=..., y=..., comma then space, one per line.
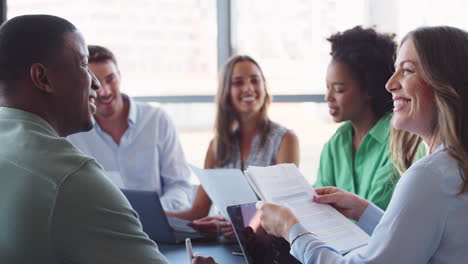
x=39, y=77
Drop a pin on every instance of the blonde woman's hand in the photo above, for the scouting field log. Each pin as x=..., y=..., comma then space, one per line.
x=276, y=220
x=349, y=204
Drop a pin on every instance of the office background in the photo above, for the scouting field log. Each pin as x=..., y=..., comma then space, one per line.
x=169, y=52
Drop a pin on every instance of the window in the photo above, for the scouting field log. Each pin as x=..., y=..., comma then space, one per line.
x=288, y=39
x=429, y=13
x=162, y=47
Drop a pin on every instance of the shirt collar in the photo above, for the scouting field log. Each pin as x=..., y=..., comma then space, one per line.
x=381, y=129
x=441, y=147
x=132, y=112
x=10, y=112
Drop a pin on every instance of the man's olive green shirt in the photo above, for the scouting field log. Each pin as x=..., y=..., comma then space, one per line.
x=56, y=204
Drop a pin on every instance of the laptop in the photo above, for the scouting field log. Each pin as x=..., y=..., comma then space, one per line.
x=156, y=224
x=257, y=245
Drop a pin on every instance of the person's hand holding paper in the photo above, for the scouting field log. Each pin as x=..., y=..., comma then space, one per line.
x=276, y=220
x=348, y=204
x=285, y=186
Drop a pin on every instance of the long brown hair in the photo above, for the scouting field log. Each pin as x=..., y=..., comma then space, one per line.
x=226, y=122
x=443, y=52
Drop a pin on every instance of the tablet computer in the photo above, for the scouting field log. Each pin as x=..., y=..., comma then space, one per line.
x=257, y=246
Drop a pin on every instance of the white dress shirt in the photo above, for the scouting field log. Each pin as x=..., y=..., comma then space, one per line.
x=149, y=156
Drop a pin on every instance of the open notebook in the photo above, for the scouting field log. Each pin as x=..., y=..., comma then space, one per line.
x=285, y=185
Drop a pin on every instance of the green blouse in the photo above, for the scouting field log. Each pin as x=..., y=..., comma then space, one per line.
x=369, y=173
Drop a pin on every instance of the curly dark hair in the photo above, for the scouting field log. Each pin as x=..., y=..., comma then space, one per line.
x=369, y=55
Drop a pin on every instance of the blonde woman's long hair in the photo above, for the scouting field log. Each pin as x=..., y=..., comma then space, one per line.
x=443, y=52
x=226, y=122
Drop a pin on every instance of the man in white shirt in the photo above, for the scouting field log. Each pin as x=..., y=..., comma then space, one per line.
x=136, y=143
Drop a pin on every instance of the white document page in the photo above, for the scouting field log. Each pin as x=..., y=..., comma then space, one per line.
x=284, y=184
x=225, y=187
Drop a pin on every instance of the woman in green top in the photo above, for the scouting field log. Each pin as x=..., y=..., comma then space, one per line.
x=356, y=158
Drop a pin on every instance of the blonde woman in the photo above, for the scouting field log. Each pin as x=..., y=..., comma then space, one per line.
x=244, y=135
x=426, y=219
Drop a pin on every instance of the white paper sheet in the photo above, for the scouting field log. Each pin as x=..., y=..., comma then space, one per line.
x=225, y=187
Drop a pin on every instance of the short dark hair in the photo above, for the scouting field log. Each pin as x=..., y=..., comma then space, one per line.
x=369, y=55
x=100, y=54
x=29, y=39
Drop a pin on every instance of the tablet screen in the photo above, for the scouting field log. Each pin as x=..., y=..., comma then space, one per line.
x=257, y=246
